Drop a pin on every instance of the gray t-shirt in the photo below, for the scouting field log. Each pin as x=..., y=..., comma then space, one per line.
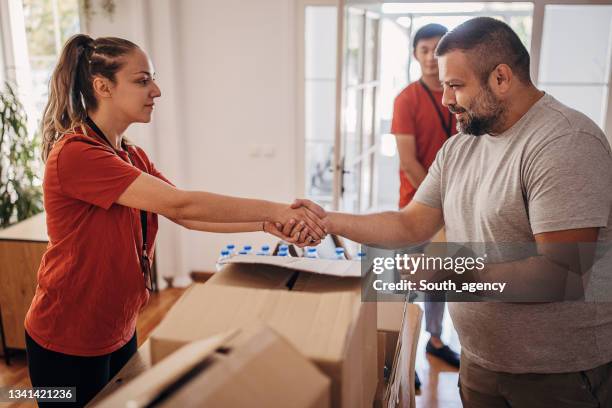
x=551, y=171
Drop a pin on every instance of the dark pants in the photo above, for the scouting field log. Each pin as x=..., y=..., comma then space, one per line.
x=482, y=388
x=88, y=374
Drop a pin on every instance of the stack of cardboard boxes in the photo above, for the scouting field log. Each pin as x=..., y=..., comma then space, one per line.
x=277, y=332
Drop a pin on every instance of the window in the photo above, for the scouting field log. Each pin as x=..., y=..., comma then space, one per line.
x=575, y=64
x=48, y=24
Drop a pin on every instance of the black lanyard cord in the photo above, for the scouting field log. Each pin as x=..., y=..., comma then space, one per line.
x=143, y=214
x=446, y=127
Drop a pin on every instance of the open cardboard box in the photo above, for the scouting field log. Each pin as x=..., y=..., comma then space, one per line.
x=315, y=305
x=252, y=367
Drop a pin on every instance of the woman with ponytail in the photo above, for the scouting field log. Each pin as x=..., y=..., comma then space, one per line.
x=102, y=196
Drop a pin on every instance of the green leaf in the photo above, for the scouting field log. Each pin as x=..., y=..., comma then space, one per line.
x=20, y=183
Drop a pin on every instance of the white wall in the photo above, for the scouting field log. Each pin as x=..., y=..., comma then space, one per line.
x=226, y=70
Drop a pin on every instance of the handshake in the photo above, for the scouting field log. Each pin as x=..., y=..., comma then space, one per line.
x=303, y=223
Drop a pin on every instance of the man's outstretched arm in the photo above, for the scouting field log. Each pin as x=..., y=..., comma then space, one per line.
x=391, y=229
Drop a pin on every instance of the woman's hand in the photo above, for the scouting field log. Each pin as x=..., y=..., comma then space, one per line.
x=300, y=234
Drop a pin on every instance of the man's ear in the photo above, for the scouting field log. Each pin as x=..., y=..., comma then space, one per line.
x=102, y=87
x=501, y=79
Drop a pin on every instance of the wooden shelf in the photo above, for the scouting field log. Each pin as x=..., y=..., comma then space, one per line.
x=21, y=249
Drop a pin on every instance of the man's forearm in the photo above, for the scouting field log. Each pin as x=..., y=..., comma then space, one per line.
x=387, y=229
x=415, y=172
x=534, y=279
x=409, y=162
x=531, y=280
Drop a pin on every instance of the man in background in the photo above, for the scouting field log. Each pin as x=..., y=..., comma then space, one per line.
x=421, y=125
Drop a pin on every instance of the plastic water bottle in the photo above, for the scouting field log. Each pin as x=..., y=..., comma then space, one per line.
x=340, y=253
x=231, y=248
x=265, y=250
x=224, y=255
x=311, y=252
x=283, y=250
x=248, y=249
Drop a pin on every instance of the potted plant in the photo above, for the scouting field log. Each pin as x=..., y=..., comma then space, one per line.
x=20, y=184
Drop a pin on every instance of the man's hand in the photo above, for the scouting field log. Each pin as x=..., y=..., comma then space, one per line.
x=295, y=218
x=294, y=231
x=306, y=225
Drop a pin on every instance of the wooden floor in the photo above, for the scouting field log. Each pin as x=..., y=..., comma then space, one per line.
x=16, y=375
x=439, y=380
x=439, y=387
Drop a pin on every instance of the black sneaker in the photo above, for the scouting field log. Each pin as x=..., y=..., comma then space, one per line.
x=417, y=382
x=444, y=353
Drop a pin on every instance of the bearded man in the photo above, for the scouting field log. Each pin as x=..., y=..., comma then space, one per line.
x=524, y=169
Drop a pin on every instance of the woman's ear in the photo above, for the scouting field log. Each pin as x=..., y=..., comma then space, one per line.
x=101, y=87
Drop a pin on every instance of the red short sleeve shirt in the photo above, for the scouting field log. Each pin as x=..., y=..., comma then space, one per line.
x=90, y=284
x=414, y=114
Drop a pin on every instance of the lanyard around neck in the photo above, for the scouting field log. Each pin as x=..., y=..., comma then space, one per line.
x=99, y=132
x=448, y=128
x=143, y=214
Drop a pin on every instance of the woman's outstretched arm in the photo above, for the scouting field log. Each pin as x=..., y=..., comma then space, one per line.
x=151, y=194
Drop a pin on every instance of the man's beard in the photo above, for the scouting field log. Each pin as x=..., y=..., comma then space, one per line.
x=484, y=114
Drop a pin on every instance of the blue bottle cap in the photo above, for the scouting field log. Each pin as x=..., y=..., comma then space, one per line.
x=311, y=249
x=248, y=247
x=265, y=247
x=225, y=252
x=231, y=246
x=339, y=250
x=243, y=253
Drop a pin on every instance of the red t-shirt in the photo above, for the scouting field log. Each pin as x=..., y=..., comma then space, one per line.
x=414, y=114
x=90, y=283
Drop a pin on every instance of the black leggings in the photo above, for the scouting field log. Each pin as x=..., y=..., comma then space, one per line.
x=88, y=374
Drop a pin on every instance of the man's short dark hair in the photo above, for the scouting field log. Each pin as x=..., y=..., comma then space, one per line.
x=489, y=42
x=428, y=31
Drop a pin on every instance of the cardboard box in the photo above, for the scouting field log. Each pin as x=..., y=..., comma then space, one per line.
x=390, y=316
x=314, y=304
x=380, y=368
x=253, y=367
x=401, y=324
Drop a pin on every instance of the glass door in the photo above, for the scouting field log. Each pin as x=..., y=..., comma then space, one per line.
x=357, y=125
